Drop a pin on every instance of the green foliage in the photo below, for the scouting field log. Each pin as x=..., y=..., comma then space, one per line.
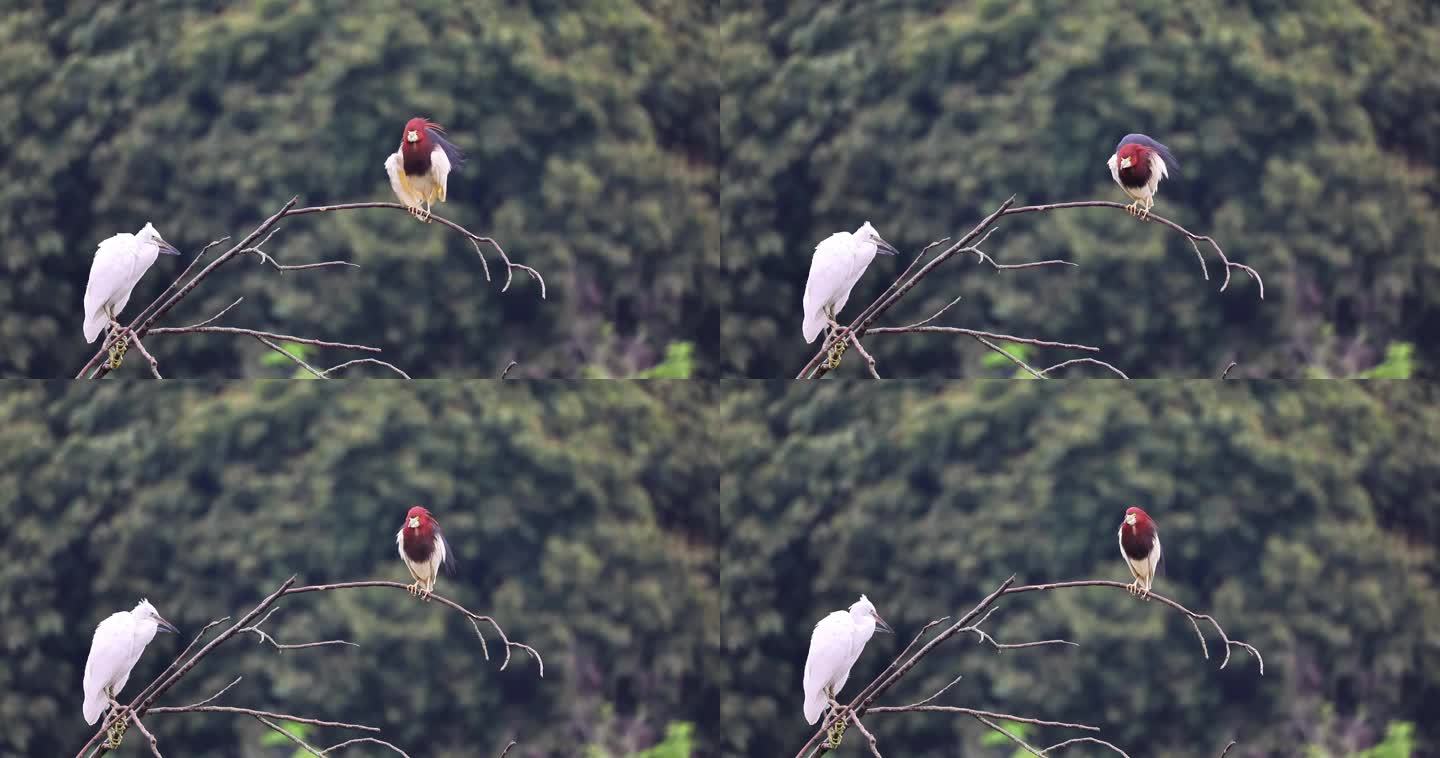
x=680, y=738
x=994, y=739
x=1302, y=516
x=1399, y=742
x=592, y=141
x=1307, y=134
x=271, y=739
x=678, y=364
x=584, y=519
x=1399, y=363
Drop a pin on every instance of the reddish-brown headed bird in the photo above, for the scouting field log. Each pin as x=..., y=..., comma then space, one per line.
x=1138, y=165
x=423, y=549
x=1140, y=544
x=419, y=169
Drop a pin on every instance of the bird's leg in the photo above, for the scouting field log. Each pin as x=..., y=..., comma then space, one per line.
x=838, y=346
x=118, y=724
x=413, y=589
x=428, y=590
x=837, y=727
x=1144, y=213
x=119, y=343
x=426, y=217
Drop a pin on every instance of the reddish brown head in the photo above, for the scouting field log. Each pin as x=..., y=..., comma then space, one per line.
x=1134, y=164
x=419, y=534
x=1137, y=533
x=416, y=142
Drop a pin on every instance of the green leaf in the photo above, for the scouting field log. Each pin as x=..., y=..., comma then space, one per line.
x=678, y=364
x=1399, y=363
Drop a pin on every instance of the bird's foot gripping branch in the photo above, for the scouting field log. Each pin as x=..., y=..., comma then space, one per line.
x=112, y=349
x=113, y=726
x=864, y=325
x=826, y=738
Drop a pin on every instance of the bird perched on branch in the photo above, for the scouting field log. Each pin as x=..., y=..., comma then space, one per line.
x=1140, y=545
x=424, y=550
x=835, y=645
x=421, y=166
x=1138, y=165
x=118, y=265
x=119, y=640
x=838, y=263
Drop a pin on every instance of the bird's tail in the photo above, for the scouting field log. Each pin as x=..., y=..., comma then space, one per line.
x=815, y=703
x=814, y=323
x=95, y=323
x=95, y=704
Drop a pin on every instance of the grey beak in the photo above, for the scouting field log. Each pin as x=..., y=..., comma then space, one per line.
x=166, y=247
x=166, y=626
x=882, y=626
x=882, y=247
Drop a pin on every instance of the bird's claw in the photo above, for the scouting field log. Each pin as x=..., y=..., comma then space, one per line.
x=116, y=733
x=837, y=351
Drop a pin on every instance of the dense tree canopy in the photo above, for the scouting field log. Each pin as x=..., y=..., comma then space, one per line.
x=1307, y=134
x=1303, y=518
x=592, y=137
x=583, y=520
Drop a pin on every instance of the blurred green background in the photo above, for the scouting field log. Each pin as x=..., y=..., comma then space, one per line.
x=583, y=518
x=592, y=138
x=1308, y=136
x=1304, y=516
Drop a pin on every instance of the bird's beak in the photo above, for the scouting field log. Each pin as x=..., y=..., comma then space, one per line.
x=882, y=247
x=166, y=247
x=1124, y=163
x=1130, y=520
x=412, y=136
x=165, y=626
x=881, y=625
x=415, y=523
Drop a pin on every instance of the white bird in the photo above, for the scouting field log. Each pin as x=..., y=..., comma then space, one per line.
x=420, y=168
x=119, y=641
x=835, y=645
x=837, y=265
x=119, y=263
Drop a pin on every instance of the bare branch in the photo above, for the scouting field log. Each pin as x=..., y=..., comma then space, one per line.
x=1093, y=361
x=150, y=737
x=145, y=702
x=1083, y=740
x=874, y=748
x=902, y=664
x=259, y=334
x=818, y=366
x=869, y=359
x=145, y=323
x=326, y=373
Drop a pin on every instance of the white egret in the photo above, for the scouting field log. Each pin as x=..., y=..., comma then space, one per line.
x=119, y=641
x=119, y=263
x=838, y=263
x=835, y=645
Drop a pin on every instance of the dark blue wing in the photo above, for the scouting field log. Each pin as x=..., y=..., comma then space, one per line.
x=1165, y=154
x=457, y=158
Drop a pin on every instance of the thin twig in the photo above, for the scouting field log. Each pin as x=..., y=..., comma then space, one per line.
x=1227, y=749
x=504, y=752
x=869, y=359
x=1083, y=740
x=1092, y=361
x=511, y=365
x=874, y=748
x=1226, y=372
x=326, y=373
x=259, y=334
x=154, y=744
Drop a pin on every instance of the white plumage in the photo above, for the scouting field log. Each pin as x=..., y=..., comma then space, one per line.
x=1143, y=570
x=119, y=640
x=838, y=263
x=835, y=645
x=119, y=263
x=1145, y=193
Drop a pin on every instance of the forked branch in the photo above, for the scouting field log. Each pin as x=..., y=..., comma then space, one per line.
x=973, y=622
x=834, y=344
x=144, y=703
x=118, y=340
